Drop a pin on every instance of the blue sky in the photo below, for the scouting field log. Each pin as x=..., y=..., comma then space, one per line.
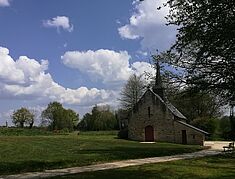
x=77, y=52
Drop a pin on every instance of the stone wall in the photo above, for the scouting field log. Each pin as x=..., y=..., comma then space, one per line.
x=151, y=111
x=193, y=136
x=159, y=117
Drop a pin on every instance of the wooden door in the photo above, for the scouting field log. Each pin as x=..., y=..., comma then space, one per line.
x=184, y=137
x=149, y=134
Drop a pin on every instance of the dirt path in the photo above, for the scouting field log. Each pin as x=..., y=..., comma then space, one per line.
x=216, y=148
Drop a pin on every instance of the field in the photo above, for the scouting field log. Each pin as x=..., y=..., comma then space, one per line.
x=24, y=153
x=216, y=167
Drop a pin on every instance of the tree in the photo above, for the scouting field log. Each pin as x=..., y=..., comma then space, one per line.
x=205, y=45
x=207, y=124
x=73, y=116
x=195, y=104
x=100, y=119
x=131, y=92
x=225, y=127
x=58, y=117
x=22, y=116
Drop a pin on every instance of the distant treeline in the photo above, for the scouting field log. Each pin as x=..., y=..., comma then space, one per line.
x=56, y=118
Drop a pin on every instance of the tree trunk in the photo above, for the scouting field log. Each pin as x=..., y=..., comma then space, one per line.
x=22, y=124
x=31, y=125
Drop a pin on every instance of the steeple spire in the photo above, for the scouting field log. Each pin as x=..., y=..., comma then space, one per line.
x=158, y=81
x=158, y=89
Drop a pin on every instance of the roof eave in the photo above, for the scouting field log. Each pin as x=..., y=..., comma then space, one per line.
x=195, y=128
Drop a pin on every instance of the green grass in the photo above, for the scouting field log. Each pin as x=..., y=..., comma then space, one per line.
x=24, y=131
x=216, y=167
x=36, y=153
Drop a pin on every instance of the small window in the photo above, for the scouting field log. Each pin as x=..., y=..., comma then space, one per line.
x=149, y=111
x=193, y=136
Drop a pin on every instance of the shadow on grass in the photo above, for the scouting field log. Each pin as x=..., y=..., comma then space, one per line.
x=122, y=153
x=23, y=154
x=25, y=166
x=88, y=157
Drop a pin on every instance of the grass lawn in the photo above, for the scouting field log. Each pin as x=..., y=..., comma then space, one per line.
x=216, y=167
x=36, y=153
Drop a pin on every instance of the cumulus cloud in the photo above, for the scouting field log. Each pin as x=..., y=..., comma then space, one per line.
x=107, y=66
x=141, y=68
x=8, y=70
x=148, y=24
x=27, y=79
x=59, y=22
x=4, y=3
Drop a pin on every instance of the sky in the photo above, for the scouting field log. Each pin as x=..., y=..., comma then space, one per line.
x=77, y=52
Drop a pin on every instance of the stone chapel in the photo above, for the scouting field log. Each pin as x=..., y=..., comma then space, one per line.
x=154, y=118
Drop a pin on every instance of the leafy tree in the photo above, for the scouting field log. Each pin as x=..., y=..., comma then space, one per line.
x=225, y=127
x=131, y=92
x=86, y=123
x=58, y=117
x=207, y=124
x=192, y=103
x=22, y=116
x=195, y=104
x=205, y=45
x=99, y=119
x=73, y=116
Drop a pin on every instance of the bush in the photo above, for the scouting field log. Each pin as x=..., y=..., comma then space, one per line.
x=123, y=134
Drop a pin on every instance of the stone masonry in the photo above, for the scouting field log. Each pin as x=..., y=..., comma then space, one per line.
x=167, y=124
x=154, y=118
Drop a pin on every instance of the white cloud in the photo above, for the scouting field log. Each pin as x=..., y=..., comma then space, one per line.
x=128, y=32
x=141, y=68
x=27, y=79
x=148, y=24
x=107, y=66
x=8, y=70
x=4, y=3
x=59, y=22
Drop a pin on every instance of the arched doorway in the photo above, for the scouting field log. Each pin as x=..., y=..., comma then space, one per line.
x=149, y=134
